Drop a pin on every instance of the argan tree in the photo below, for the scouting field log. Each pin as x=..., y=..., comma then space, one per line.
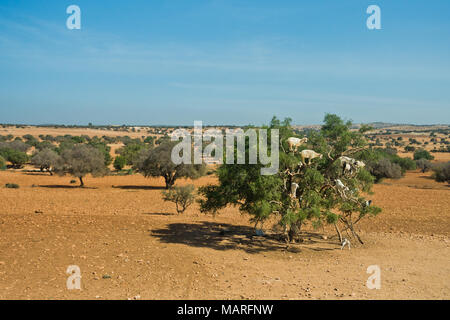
x=182, y=196
x=157, y=162
x=299, y=192
x=81, y=160
x=45, y=160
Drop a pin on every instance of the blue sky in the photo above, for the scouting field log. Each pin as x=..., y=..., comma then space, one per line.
x=223, y=62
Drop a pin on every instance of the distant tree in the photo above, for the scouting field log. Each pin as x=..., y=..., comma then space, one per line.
x=182, y=196
x=46, y=160
x=81, y=160
x=410, y=148
x=157, y=162
x=119, y=163
x=422, y=154
x=442, y=172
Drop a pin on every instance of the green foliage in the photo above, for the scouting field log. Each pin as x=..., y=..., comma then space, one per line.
x=119, y=163
x=182, y=196
x=130, y=152
x=2, y=163
x=103, y=148
x=385, y=163
x=316, y=198
x=422, y=154
x=17, y=158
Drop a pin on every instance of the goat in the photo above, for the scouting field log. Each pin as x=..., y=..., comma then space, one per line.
x=294, y=142
x=345, y=242
x=360, y=164
x=367, y=203
x=294, y=187
x=348, y=160
x=310, y=154
x=340, y=185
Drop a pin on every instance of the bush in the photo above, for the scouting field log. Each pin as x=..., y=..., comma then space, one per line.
x=442, y=172
x=17, y=158
x=384, y=168
x=424, y=165
x=12, y=186
x=2, y=163
x=404, y=163
x=374, y=156
x=422, y=154
x=130, y=152
x=183, y=197
x=119, y=163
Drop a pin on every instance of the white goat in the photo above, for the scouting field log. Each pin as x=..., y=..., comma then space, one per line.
x=345, y=242
x=294, y=142
x=310, y=154
x=348, y=160
x=340, y=185
x=360, y=164
x=294, y=187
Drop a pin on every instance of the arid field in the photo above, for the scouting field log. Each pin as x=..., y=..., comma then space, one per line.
x=130, y=244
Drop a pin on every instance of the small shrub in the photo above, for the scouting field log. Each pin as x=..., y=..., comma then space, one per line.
x=12, y=186
x=2, y=163
x=183, y=197
x=73, y=181
x=442, y=172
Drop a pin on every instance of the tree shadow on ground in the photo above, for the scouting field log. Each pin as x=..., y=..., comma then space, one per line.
x=57, y=186
x=159, y=214
x=426, y=177
x=139, y=187
x=220, y=236
x=38, y=174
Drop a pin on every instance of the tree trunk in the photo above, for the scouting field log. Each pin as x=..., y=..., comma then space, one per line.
x=81, y=181
x=169, y=182
x=294, y=231
x=338, y=232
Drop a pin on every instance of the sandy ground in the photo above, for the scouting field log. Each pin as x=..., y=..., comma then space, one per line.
x=128, y=242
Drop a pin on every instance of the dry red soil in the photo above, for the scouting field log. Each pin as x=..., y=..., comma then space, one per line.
x=128, y=242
